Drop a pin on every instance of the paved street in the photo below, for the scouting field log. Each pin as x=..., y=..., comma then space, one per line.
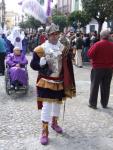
x=84, y=128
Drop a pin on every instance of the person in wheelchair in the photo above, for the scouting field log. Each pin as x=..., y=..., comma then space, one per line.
x=16, y=63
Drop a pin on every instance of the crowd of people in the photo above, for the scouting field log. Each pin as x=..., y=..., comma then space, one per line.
x=17, y=38
x=79, y=44
x=54, y=54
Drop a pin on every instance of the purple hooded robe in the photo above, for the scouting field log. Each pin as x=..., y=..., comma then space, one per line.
x=17, y=73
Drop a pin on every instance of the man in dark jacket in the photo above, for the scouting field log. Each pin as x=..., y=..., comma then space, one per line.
x=79, y=46
x=101, y=55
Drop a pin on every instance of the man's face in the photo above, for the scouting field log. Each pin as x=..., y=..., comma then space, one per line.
x=17, y=52
x=53, y=37
x=71, y=33
x=111, y=37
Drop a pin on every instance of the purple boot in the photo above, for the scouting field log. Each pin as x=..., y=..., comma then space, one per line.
x=55, y=126
x=44, y=137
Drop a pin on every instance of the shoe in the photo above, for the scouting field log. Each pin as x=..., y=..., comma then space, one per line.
x=93, y=107
x=44, y=137
x=55, y=125
x=1, y=74
x=57, y=128
x=44, y=140
x=104, y=107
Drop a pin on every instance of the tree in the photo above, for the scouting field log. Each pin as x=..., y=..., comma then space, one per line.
x=79, y=16
x=22, y=25
x=55, y=11
x=60, y=20
x=33, y=22
x=101, y=10
x=30, y=23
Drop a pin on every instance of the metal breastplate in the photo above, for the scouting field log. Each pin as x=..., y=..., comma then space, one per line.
x=54, y=60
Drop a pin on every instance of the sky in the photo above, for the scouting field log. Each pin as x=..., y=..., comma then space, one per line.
x=11, y=5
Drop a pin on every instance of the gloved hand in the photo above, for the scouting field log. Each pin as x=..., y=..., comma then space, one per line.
x=42, y=61
x=48, y=58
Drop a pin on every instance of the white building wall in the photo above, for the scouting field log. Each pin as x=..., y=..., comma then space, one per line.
x=76, y=5
x=65, y=2
x=64, y=5
x=95, y=24
x=80, y=5
x=59, y=3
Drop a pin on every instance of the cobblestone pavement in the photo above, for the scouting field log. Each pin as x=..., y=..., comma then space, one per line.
x=84, y=128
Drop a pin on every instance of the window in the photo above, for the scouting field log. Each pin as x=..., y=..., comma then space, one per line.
x=41, y=1
x=92, y=28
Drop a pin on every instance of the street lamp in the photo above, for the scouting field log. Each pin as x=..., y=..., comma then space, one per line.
x=3, y=13
x=78, y=25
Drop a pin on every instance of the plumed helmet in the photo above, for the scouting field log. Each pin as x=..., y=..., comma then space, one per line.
x=52, y=28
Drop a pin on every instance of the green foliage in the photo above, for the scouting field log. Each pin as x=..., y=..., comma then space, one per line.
x=30, y=23
x=22, y=25
x=33, y=22
x=101, y=10
x=80, y=16
x=60, y=20
x=56, y=12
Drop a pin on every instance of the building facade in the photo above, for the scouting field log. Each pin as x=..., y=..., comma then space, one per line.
x=68, y=6
x=41, y=2
x=64, y=6
x=76, y=5
x=93, y=26
x=12, y=19
x=2, y=13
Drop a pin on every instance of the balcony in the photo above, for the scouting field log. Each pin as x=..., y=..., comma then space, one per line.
x=64, y=9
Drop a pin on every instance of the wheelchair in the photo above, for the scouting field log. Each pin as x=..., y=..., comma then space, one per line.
x=9, y=87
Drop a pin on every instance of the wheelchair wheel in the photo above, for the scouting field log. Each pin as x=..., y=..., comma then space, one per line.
x=27, y=88
x=7, y=84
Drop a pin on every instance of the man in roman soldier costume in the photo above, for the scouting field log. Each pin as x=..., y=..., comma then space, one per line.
x=55, y=80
